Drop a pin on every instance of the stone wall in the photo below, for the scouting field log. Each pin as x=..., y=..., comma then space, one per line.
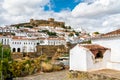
x=17, y=55
x=91, y=76
x=50, y=50
x=49, y=22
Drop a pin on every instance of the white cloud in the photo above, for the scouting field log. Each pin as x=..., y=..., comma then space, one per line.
x=21, y=7
x=93, y=15
x=13, y=11
x=97, y=8
x=99, y=15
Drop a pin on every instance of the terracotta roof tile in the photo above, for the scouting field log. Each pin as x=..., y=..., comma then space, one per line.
x=112, y=33
x=93, y=46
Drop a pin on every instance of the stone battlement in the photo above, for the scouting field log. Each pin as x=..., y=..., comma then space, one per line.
x=49, y=22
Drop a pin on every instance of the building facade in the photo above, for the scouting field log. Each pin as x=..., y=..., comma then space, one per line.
x=112, y=41
x=89, y=57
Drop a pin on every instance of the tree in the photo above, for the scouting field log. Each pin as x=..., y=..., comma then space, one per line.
x=18, y=27
x=5, y=52
x=71, y=34
x=96, y=33
x=52, y=33
x=69, y=27
x=77, y=33
x=5, y=59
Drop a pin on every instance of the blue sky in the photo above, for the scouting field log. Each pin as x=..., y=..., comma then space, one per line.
x=58, y=5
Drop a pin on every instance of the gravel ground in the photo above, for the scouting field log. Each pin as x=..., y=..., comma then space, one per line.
x=63, y=75
x=59, y=75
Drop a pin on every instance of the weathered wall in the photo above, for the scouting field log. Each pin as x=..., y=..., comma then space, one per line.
x=114, y=45
x=50, y=50
x=97, y=64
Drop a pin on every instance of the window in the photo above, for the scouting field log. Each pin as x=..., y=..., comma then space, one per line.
x=99, y=55
x=14, y=50
x=18, y=50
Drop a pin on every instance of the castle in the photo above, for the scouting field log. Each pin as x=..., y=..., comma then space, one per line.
x=49, y=22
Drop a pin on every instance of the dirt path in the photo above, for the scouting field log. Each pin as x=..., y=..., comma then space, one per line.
x=59, y=75
x=63, y=75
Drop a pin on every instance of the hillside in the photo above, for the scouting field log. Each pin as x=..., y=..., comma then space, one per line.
x=49, y=22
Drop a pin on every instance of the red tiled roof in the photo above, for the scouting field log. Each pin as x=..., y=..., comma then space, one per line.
x=115, y=33
x=112, y=33
x=22, y=38
x=93, y=46
x=55, y=38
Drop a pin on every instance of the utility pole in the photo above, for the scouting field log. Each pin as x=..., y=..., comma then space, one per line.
x=1, y=63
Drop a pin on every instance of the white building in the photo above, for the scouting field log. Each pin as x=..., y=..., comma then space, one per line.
x=28, y=44
x=5, y=40
x=23, y=44
x=56, y=41
x=88, y=57
x=112, y=41
x=7, y=29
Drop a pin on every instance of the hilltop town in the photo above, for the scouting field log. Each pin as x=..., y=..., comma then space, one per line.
x=42, y=44
x=28, y=37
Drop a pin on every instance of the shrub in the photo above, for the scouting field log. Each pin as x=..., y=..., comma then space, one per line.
x=57, y=68
x=47, y=67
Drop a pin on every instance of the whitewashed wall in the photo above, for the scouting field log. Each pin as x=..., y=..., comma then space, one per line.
x=114, y=44
x=24, y=45
x=102, y=64
x=82, y=59
x=78, y=59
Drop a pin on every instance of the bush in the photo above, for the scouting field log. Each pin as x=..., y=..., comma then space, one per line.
x=47, y=67
x=57, y=68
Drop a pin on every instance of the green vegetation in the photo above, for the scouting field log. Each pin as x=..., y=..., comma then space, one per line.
x=24, y=26
x=49, y=33
x=29, y=26
x=52, y=33
x=71, y=34
x=26, y=66
x=87, y=42
x=5, y=60
x=77, y=33
x=18, y=27
x=13, y=34
x=96, y=33
x=4, y=52
x=66, y=27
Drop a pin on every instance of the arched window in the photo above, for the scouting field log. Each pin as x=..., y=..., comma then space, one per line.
x=18, y=50
x=14, y=50
x=99, y=55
